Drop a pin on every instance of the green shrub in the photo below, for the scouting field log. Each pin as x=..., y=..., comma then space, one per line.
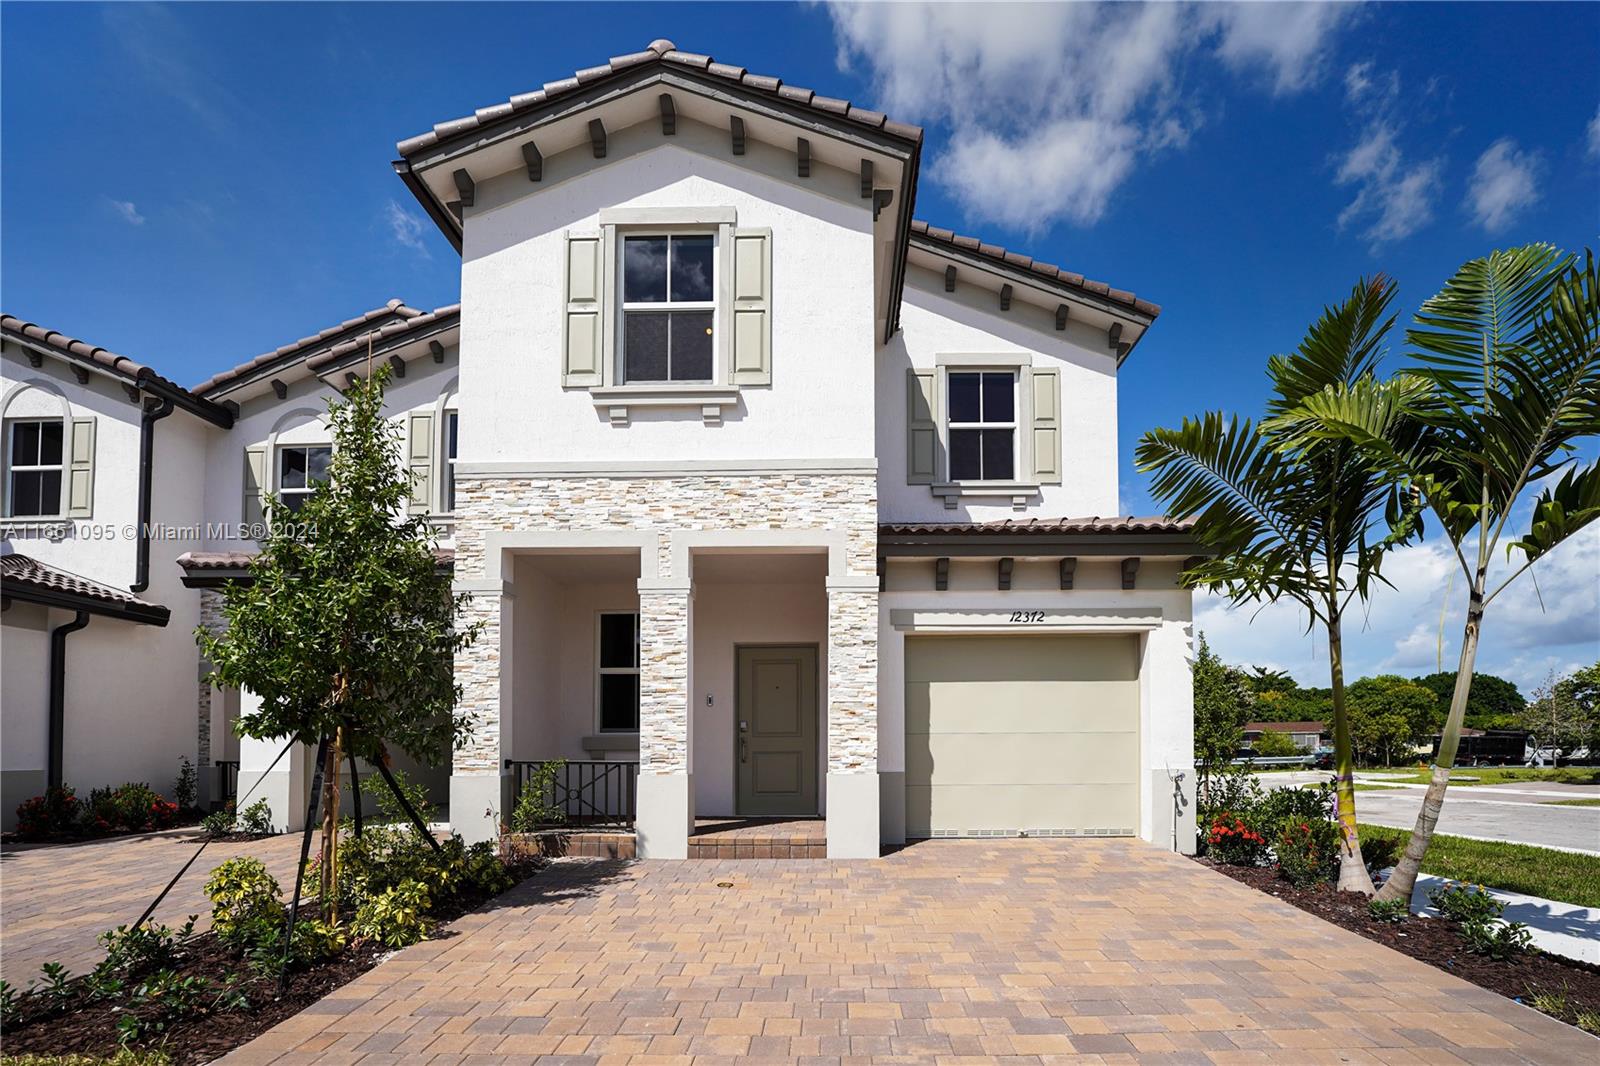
x=133, y=806
x=485, y=870
x=1501, y=941
x=9, y=1002
x=1388, y=910
x=219, y=822
x=416, y=793
x=246, y=902
x=1232, y=790
x=132, y=952
x=123, y=1057
x=1281, y=806
x=187, y=786
x=1307, y=852
x=1464, y=903
x=53, y=814
x=164, y=999
x=1588, y=1020
x=531, y=811
x=1231, y=839
x=395, y=917
x=255, y=819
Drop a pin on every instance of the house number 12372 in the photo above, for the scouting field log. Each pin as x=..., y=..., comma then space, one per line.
x=1027, y=616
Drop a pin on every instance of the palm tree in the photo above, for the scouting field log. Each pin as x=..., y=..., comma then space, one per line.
x=1508, y=383
x=1293, y=520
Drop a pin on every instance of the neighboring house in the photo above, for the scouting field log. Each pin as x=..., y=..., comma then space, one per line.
x=772, y=499
x=1307, y=736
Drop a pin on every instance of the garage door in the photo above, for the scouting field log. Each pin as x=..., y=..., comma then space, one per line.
x=1022, y=734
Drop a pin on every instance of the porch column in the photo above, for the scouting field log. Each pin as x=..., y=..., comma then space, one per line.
x=284, y=784
x=665, y=818
x=853, y=827
x=480, y=784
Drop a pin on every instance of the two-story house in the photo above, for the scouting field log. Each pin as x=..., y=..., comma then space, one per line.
x=763, y=490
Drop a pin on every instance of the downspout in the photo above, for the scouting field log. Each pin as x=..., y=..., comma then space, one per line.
x=58, y=693
x=147, y=448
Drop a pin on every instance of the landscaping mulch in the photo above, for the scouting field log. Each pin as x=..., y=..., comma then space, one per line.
x=1433, y=941
x=91, y=1027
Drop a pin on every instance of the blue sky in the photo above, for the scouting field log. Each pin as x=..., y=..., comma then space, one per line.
x=195, y=184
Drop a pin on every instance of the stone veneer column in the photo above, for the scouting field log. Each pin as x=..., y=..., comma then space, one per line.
x=665, y=818
x=480, y=784
x=853, y=828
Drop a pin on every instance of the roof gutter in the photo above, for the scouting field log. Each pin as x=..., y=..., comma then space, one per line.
x=185, y=400
x=430, y=203
x=152, y=414
x=58, y=694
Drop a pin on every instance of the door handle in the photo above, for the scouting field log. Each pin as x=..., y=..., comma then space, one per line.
x=744, y=749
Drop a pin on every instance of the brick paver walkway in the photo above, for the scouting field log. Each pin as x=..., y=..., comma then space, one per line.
x=1087, y=950
x=54, y=901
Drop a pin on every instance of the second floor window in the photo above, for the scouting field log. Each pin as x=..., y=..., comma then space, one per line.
x=33, y=468
x=668, y=307
x=983, y=425
x=300, y=467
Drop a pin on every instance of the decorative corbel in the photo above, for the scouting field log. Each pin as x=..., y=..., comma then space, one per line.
x=438, y=351
x=1069, y=569
x=1061, y=316
x=1114, y=335
x=132, y=392
x=1005, y=297
x=280, y=388
x=1006, y=564
x=949, y=279
x=1130, y=568
x=597, y=137
x=881, y=198
x=866, y=179
x=802, y=149
x=535, y=161
x=81, y=373
x=398, y=365
x=466, y=187
x=736, y=132
x=941, y=574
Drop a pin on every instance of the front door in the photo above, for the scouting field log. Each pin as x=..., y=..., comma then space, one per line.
x=776, y=734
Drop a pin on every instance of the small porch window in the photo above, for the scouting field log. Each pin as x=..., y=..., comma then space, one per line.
x=300, y=469
x=668, y=307
x=983, y=425
x=450, y=425
x=34, y=463
x=618, y=683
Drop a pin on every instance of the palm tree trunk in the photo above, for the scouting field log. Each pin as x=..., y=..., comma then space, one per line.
x=1403, y=880
x=1353, y=876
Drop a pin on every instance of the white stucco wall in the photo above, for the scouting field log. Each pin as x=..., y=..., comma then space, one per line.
x=934, y=324
x=820, y=402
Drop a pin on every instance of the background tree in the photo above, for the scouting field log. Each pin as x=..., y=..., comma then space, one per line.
x=1221, y=705
x=1492, y=702
x=1273, y=744
x=1563, y=713
x=1292, y=518
x=1388, y=715
x=1507, y=383
x=347, y=629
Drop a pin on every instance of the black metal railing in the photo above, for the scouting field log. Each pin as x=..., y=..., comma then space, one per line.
x=227, y=781
x=582, y=792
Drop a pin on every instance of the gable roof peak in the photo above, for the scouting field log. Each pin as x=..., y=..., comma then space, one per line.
x=661, y=46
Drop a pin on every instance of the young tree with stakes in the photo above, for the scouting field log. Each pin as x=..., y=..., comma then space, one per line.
x=1292, y=520
x=347, y=630
x=1507, y=384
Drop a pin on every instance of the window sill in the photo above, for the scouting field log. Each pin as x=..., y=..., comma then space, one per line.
x=1019, y=492
x=601, y=743
x=616, y=400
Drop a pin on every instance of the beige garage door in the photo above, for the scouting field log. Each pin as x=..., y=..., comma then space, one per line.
x=1022, y=734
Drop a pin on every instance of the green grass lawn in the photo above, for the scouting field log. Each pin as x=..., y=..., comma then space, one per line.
x=1500, y=775
x=1558, y=875
x=1571, y=803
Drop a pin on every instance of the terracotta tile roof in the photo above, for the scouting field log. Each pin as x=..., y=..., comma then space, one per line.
x=665, y=53
x=1283, y=727
x=391, y=311
x=1029, y=265
x=383, y=334
x=239, y=560
x=21, y=574
x=1013, y=527
x=83, y=351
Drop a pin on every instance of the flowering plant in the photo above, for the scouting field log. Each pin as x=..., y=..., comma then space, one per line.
x=1233, y=841
x=1306, y=851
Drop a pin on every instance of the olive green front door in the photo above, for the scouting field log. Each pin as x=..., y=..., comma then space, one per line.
x=776, y=734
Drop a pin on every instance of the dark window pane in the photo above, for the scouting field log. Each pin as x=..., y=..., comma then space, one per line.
x=25, y=444
x=317, y=460
x=452, y=424
x=691, y=346
x=965, y=464
x=293, y=501
x=24, y=494
x=997, y=397
x=292, y=464
x=644, y=270
x=644, y=343
x=964, y=398
x=50, y=444
x=619, y=701
x=691, y=269
x=618, y=646
x=997, y=451
x=50, y=492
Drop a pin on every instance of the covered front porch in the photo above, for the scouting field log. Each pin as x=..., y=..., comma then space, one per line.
x=673, y=685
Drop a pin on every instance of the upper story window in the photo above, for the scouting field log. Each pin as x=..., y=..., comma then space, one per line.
x=451, y=419
x=668, y=307
x=34, y=468
x=983, y=425
x=300, y=468
x=619, y=672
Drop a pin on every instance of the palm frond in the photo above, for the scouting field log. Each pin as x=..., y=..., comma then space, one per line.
x=1344, y=345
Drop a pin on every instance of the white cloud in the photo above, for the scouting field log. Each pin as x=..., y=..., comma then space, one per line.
x=126, y=211
x=1504, y=181
x=1053, y=106
x=174, y=61
x=1594, y=134
x=405, y=228
x=1394, y=196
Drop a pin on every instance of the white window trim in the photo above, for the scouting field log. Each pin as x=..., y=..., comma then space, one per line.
x=602, y=671
x=60, y=468
x=277, y=469
x=1019, y=491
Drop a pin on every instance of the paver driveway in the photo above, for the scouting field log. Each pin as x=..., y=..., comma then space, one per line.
x=1026, y=950
x=54, y=901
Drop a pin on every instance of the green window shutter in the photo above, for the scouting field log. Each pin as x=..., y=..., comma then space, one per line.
x=80, y=470
x=419, y=460
x=581, y=322
x=255, y=485
x=922, y=426
x=751, y=361
x=1045, y=393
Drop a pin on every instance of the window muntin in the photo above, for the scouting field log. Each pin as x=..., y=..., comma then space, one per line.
x=450, y=427
x=668, y=307
x=982, y=410
x=300, y=468
x=34, y=462
x=618, y=680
